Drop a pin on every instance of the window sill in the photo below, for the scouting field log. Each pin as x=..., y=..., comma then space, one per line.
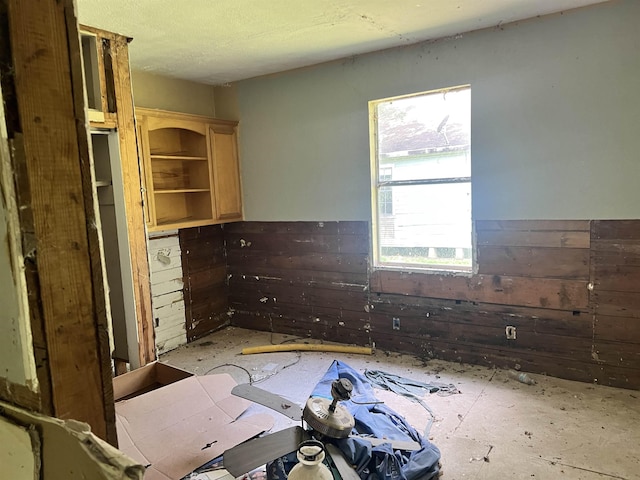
x=443, y=271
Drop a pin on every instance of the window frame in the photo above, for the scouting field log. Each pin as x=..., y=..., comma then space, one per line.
x=377, y=184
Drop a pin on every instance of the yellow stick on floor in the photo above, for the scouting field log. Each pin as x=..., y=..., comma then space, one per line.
x=309, y=347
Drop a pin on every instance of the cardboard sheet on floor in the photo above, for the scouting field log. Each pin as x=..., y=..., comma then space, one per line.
x=181, y=426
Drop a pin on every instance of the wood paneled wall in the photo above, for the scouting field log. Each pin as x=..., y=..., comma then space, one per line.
x=615, y=299
x=204, y=271
x=570, y=288
x=307, y=279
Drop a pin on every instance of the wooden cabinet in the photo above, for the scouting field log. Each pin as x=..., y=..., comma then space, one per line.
x=191, y=169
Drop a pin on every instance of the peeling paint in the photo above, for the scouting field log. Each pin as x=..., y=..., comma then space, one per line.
x=344, y=284
x=264, y=299
x=265, y=277
x=163, y=256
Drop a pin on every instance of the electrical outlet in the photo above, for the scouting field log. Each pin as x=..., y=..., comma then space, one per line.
x=396, y=323
x=510, y=331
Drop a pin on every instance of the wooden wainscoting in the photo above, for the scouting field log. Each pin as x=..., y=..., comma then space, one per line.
x=569, y=288
x=204, y=270
x=615, y=300
x=305, y=278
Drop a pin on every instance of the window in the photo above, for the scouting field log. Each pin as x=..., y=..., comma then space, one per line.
x=386, y=194
x=421, y=180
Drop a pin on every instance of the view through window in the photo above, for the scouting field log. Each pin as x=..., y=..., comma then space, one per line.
x=422, y=180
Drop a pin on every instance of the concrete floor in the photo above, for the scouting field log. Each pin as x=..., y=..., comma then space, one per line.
x=556, y=429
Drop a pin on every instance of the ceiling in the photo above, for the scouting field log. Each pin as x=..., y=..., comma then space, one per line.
x=221, y=41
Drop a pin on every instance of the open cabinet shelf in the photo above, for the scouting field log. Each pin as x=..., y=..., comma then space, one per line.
x=190, y=168
x=178, y=158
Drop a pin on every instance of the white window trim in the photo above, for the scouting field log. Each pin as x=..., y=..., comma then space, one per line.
x=376, y=184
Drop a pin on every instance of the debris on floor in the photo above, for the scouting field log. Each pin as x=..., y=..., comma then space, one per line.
x=180, y=426
x=342, y=411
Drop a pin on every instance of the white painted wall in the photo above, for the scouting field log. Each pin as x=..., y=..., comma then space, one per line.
x=156, y=91
x=19, y=458
x=16, y=358
x=49, y=448
x=17, y=363
x=555, y=121
x=167, y=299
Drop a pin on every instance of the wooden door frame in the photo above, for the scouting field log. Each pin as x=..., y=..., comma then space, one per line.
x=47, y=130
x=123, y=119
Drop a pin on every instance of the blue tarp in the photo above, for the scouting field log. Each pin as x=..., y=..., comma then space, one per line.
x=377, y=463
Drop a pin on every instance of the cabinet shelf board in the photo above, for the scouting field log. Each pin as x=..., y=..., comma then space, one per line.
x=177, y=157
x=183, y=190
x=180, y=223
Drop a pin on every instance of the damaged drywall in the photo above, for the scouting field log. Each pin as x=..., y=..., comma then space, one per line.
x=49, y=448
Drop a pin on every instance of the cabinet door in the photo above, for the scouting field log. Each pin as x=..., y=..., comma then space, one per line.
x=226, y=172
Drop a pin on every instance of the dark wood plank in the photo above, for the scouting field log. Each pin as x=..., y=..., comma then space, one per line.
x=519, y=291
x=610, y=260
x=298, y=243
x=204, y=269
x=330, y=262
x=570, y=263
x=531, y=320
x=616, y=304
x=617, y=278
x=628, y=247
x=533, y=225
x=265, y=295
x=322, y=228
x=536, y=238
x=434, y=328
x=616, y=353
x=617, y=329
x=212, y=233
x=200, y=281
x=616, y=229
x=303, y=328
x=331, y=280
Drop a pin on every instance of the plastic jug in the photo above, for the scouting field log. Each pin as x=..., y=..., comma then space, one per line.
x=310, y=467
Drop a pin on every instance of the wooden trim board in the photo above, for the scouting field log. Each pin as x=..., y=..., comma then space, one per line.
x=44, y=63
